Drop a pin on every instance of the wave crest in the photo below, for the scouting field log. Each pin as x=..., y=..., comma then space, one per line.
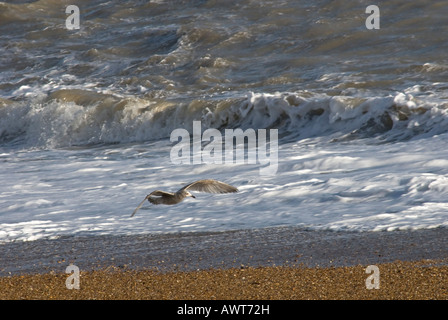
x=80, y=117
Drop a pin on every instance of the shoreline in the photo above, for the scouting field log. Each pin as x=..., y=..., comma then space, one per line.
x=271, y=263
x=275, y=246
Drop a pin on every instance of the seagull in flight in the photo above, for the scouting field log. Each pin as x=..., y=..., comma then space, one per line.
x=206, y=185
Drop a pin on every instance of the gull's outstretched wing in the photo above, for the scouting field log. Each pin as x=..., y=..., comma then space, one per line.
x=140, y=205
x=210, y=186
x=156, y=193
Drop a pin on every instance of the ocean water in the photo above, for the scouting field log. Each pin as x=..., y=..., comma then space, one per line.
x=86, y=115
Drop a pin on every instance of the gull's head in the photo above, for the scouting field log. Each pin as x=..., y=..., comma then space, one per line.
x=188, y=194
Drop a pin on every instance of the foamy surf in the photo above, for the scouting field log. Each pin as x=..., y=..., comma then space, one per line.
x=321, y=186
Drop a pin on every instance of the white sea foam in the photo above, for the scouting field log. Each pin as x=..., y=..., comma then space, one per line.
x=319, y=185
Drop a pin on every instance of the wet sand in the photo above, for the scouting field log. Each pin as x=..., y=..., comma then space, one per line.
x=272, y=263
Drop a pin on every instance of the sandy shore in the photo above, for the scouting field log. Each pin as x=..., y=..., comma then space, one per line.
x=273, y=263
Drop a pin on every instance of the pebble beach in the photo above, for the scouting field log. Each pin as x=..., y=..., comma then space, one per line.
x=399, y=280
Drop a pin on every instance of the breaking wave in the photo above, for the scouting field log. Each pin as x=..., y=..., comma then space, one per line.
x=80, y=117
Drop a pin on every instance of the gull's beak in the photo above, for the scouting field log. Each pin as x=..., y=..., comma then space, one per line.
x=193, y=196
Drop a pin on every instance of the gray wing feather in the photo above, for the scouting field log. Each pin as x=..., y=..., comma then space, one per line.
x=159, y=193
x=139, y=206
x=210, y=186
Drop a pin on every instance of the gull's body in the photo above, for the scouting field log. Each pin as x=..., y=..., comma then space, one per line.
x=169, y=198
